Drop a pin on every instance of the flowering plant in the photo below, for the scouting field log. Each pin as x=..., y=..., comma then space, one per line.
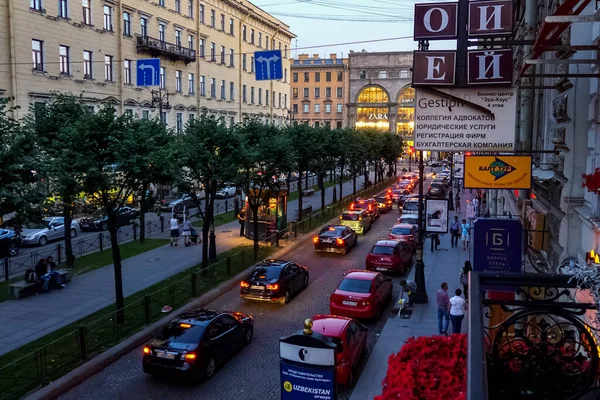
x=592, y=181
x=428, y=368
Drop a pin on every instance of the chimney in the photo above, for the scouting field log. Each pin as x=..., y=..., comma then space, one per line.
x=316, y=56
x=303, y=56
x=333, y=56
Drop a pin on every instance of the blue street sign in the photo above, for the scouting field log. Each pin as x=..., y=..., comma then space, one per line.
x=268, y=65
x=300, y=382
x=497, y=245
x=148, y=72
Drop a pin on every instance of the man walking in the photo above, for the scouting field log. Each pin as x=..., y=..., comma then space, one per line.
x=457, y=201
x=454, y=232
x=443, y=312
x=174, y=231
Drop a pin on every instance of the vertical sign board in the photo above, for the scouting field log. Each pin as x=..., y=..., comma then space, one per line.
x=436, y=21
x=148, y=72
x=490, y=67
x=458, y=163
x=497, y=245
x=490, y=18
x=434, y=68
x=437, y=216
x=268, y=65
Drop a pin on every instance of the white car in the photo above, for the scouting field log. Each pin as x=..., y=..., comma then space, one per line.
x=50, y=228
x=226, y=192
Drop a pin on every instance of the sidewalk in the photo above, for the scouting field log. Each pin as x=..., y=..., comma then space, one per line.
x=22, y=321
x=444, y=265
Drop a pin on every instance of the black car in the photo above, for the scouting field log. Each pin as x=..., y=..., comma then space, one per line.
x=274, y=280
x=436, y=190
x=98, y=221
x=196, y=342
x=10, y=242
x=335, y=239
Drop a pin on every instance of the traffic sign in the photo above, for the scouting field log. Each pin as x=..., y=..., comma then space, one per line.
x=148, y=72
x=497, y=245
x=268, y=65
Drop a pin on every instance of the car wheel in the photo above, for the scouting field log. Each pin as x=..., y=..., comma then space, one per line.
x=286, y=298
x=13, y=249
x=305, y=284
x=104, y=226
x=210, y=368
x=43, y=241
x=73, y=232
x=345, y=250
x=248, y=336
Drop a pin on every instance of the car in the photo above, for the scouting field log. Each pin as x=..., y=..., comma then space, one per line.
x=404, y=232
x=405, y=197
x=441, y=179
x=403, y=189
x=407, y=177
x=361, y=294
x=411, y=206
x=10, y=242
x=358, y=220
x=435, y=164
x=408, y=183
x=389, y=256
x=397, y=193
x=226, y=192
x=335, y=239
x=436, y=190
x=369, y=205
x=177, y=205
x=99, y=219
x=49, y=228
x=350, y=336
x=410, y=219
x=274, y=281
x=195, y=343
x=385, y=203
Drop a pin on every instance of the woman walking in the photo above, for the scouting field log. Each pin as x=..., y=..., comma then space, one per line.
x=464, y=277
x=458, y=305
x=464, y=227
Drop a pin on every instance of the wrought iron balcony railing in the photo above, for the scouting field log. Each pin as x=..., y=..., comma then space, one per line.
x=529, y=339
x=158, y=47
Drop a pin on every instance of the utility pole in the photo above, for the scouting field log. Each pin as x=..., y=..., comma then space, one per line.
x=421, y=293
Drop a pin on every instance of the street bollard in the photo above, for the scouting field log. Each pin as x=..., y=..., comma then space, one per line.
x=134, y=231
x=147, y=309
x=194, y=285
x=162, y=223
x=100, y=244
x=228, y=262
x=58, y=253
x=6, y=269
x=81, y=333
x=226, y=204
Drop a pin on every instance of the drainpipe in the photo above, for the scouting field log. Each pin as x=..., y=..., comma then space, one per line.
x=240, y=54
x=13, y=59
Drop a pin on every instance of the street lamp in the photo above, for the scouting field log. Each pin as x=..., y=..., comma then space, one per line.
x=421, y=292
x=160, y=98
x=290, y=116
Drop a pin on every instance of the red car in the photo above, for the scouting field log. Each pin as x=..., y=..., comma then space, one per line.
x=351, y=339
x=404, y=233
x=361, y=294
x=389, y=255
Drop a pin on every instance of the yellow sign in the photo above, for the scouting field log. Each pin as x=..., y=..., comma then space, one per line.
x=497, y=172
x=287, y=386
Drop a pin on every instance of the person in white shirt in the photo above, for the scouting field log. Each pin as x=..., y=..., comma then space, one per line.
x=174, y=231
x=458, y=305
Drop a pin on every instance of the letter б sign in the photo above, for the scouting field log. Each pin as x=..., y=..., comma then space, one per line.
x=268, y=65
x=434, y=67
x=148, y=72
x=436, y=21
x=497, y=245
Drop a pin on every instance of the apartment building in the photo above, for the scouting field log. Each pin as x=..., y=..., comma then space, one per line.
x=320, y=90
x=90, y=48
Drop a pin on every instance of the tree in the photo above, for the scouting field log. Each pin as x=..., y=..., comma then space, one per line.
x=323, y=158
x=355, y=156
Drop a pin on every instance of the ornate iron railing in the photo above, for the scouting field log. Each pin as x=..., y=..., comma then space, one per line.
x=158, y=47
x=528, y=339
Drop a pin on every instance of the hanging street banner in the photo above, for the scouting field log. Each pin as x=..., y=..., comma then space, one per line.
x=457, y=119
x=497, y=172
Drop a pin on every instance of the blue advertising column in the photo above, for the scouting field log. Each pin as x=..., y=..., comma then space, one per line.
x=307, y=365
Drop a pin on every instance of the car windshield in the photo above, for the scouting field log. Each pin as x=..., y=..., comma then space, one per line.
x=381, y=199
x=400, y=231
x=38, y=225
x=355, y=285
x=334, y=232
x=411, y=206
x=350, y=217
x=383, y=250
x=338, y=342
x=266, y=273
x=175, y=333
x=436, y=185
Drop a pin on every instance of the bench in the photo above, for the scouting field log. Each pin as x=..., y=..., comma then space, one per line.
x=308, y=192
x=22, y=289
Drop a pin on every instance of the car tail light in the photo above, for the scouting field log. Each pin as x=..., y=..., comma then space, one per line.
x=244, y=284
x=316, y=239
x=185, y=326
x=190, y=356
x=333, y=298
x=365, y=303
x=370, y=207
x=273, y=287
x=352, y=206
x=339, y=241
x=389, y=190
x=147, y=350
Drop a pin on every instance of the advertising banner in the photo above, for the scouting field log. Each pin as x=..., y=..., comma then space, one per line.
x=497, y=172
x=437, y=216
x=497, y=245
x=458, y=161
x=305, y=382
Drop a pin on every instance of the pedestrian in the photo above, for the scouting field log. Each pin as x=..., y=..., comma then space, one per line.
x=54, y=275
x=464, y=227
x=457, y=201
x=464, y=277
x=41, y=270
x=174, y=231
x=454, y=232
x=242, y=220
x=458, y=305
x=476, y=205
x=410, y=288
x=443, y=311
x=187, y=232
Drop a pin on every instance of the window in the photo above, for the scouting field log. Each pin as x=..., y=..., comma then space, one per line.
x=36, y=5
x=231, y=28
x=222, y=54
x=317, y=124
x=305, y=108
x=339, y=107
x=213, y=49
x=267, y=42
x=161, y=32
x=223, y=22
x=244, y=62
x=259, y=39
x=161, y=3
x=338, y=124
x=126, y=24
x=201, y=17
x=251, y=36
x=244, y=33
x=266, y=97
x=191, y=8
x=86, y=5
x=191, y=83
x=279, y=101
x=63, y=9
x=129, y=112
x=285, y=100
x=373, y=94
x=107, y=18
x=259, y=96
x=178, y=81
x=223, y=90
x=317, y=108
x=317, y=77
x=108, y=68
x=317, y=92
x=295, y=77
x=306, y=77
x=295, y=108
x=191, y=117
x=231, y=91
x=285, y=75
x=251, y=63
x=202, y=44
x=363, y=74
x=178, y=37
x=328, y=92
x=244, y=99
x=382, y=75
x=127, y=72
x=231, y=121
x=179, y=122
x=328, y=108
x=145, y=114
x=191, y=42
x=212, y=18
x=163, y=118
x=295, y=93
x=63, y=54
x=202, y=86
x=404, y=74
x=163, y=78
x=213, y=87
x=251, y=94
x=339, y=93
x=328, y=124
x=231, y=58
x=87, y=64
x=306, y=92
x=339, y=77
x=327, y=76
x=144, y=26
x=177, y=6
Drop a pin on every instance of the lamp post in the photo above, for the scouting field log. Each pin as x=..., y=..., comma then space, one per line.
x=290, y=116
x=421, y=293
x=160, y=98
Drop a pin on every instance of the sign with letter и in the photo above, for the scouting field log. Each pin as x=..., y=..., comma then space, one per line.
x=498, y=172
x=497, y=245
x=268, y=65
x=447, y=123
x=148, y=72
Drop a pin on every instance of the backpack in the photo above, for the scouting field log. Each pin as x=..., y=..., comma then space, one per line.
x=31, y=276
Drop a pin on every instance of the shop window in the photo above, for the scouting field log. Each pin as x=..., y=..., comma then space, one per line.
x=373, y=94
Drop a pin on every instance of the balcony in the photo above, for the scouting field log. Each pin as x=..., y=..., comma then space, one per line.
x=530, y=337
x=157, y=47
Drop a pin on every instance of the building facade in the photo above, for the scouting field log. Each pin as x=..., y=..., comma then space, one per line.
x=90, y=48
x=319, y=90
x=380, y=93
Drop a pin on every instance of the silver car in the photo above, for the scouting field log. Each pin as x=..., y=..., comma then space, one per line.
x=50, y=228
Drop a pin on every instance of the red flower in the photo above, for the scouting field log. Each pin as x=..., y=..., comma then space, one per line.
x=592, y=181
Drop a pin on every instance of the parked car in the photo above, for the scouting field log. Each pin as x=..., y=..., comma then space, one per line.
x=358, y=220
x=195, y=343
x=50, y=228
x=226, y=192
x=411, y=206
x=389, y=256
x=404, y=198
x=361, y=294
x=385, y=203
x=10, y=242
x=274, y=281
x=405, y=233
x=335, y=239
x=98, y=221
x=436, y=190
x=177, y=205
x=369, y=205
x=350, y=336
x=410, y=219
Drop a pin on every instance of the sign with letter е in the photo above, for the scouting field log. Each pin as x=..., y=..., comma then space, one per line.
x=497, y=245
x=148, y=72
x=268, y=65
x=497, y=172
